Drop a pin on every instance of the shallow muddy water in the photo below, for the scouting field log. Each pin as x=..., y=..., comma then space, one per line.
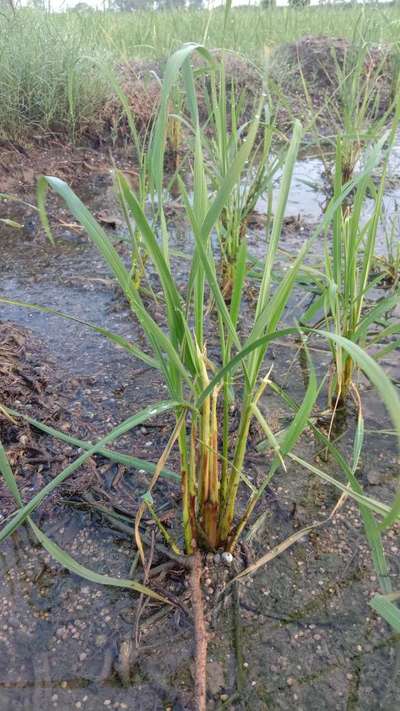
x=307, y=637
x=308, y=196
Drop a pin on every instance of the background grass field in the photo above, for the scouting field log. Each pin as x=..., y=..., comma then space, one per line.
x=51, y=65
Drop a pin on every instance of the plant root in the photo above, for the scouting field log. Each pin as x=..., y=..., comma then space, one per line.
x=240, y=677
x=200, y=635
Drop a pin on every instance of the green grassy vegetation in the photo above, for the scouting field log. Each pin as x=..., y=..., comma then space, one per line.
x=347, y=277
x=53, y=74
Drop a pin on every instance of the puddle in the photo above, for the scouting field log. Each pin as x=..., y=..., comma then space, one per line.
x=306, y=195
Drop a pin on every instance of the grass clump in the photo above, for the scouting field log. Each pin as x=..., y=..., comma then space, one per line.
x=349, y=275
x=332, y=84
x=49, y=81
x=206, y=388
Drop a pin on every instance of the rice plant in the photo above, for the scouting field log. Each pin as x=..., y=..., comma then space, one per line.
x=228, y=124
x=209, y=481
x=204, y=389
x=349, y=271
x=361, y=110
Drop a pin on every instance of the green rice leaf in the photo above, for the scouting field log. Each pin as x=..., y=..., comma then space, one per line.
x=171, y=76
x=114, y=337
x=119, y=457
x=388, y=610
x=8, y=476
x=73, y=566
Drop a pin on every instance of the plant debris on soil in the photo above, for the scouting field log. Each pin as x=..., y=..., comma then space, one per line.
x=20, y=166
x=32, y=387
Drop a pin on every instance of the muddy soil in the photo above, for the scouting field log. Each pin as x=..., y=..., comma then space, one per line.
x=21, y=165
x=306, y=634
